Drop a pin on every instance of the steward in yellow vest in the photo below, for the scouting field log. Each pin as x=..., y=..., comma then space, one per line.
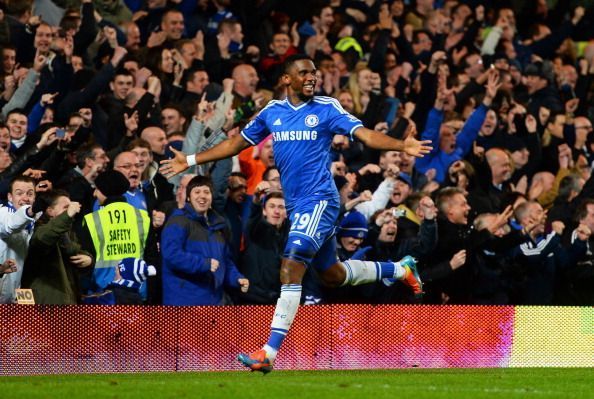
x=117, y=231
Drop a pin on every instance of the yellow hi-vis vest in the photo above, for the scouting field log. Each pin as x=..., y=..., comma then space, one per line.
x=118, y=231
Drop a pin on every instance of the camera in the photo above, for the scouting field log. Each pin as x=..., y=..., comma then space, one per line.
x=398, y=213
x=60, y=133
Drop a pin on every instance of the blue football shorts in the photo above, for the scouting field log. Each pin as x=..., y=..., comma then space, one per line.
x=311, y=238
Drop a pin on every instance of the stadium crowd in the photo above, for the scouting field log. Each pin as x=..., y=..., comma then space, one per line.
x=94, y=92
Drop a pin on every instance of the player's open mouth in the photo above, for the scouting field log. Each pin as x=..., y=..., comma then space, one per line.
x=309, y=86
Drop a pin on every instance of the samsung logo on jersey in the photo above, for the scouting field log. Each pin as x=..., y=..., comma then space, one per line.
x=295, y=135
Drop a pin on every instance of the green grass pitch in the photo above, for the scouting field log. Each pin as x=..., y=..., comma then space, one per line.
x=374, y=384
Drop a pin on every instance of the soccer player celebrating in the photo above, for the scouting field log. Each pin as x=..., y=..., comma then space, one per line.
x=302, y=127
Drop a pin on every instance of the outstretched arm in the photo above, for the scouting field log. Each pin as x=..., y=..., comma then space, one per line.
x=181, y=162
x=380, y=141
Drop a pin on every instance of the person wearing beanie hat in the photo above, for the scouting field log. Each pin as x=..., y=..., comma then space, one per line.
x=541, y=93
x=351, y=233
x=117, y=230
x=110, y=184
x=353, y=225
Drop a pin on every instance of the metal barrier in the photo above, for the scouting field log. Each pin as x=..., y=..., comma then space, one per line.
x=37, y=339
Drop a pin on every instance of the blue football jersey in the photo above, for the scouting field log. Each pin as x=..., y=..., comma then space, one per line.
x=301, y=137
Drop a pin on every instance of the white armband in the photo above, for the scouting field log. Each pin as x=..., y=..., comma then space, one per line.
x=191, y=160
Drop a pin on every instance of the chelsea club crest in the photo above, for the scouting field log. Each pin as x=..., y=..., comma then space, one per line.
x=311, y=120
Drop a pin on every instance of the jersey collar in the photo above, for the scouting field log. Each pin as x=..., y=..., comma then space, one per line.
x=296, y=108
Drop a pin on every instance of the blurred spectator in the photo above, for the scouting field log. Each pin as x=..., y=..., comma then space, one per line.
x=16, y=228
x=265, y=238
x=56, y=259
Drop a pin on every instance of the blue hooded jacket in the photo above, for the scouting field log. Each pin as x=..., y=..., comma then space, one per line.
x=188, y=243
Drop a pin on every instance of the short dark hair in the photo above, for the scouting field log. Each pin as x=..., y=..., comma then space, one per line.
x=85, y=152
x=175, y=107
x=318, y=7
x=272, y=195
x=19, y=111
x=582, y=210
x=8, y=46
x=290, y=61
x=189, y=73
x=266, y=173
x=170, y=11
x=18, y=8
x=52, y=196
x=198, y=181
x=238, y=174
x=69, y=22
x=21, y=178
x=122, y=71
x=418, y=33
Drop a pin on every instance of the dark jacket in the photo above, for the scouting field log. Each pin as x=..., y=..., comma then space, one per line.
x=188, y=243
x=262, y=257
x=438, y=275
x=48, y=271
x=547, y=97
x=542, y=261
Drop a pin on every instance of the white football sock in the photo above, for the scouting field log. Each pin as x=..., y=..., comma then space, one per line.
x=360, y=272
x=284, y=314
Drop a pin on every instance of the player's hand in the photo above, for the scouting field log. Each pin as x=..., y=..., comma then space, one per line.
x=171, y=167
x=417, y=148
x=244, y=284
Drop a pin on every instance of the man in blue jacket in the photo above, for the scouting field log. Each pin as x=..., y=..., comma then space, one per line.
x=452, y=145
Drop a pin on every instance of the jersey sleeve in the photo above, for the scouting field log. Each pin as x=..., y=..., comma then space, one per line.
x=256, y=129
x=341, y=122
